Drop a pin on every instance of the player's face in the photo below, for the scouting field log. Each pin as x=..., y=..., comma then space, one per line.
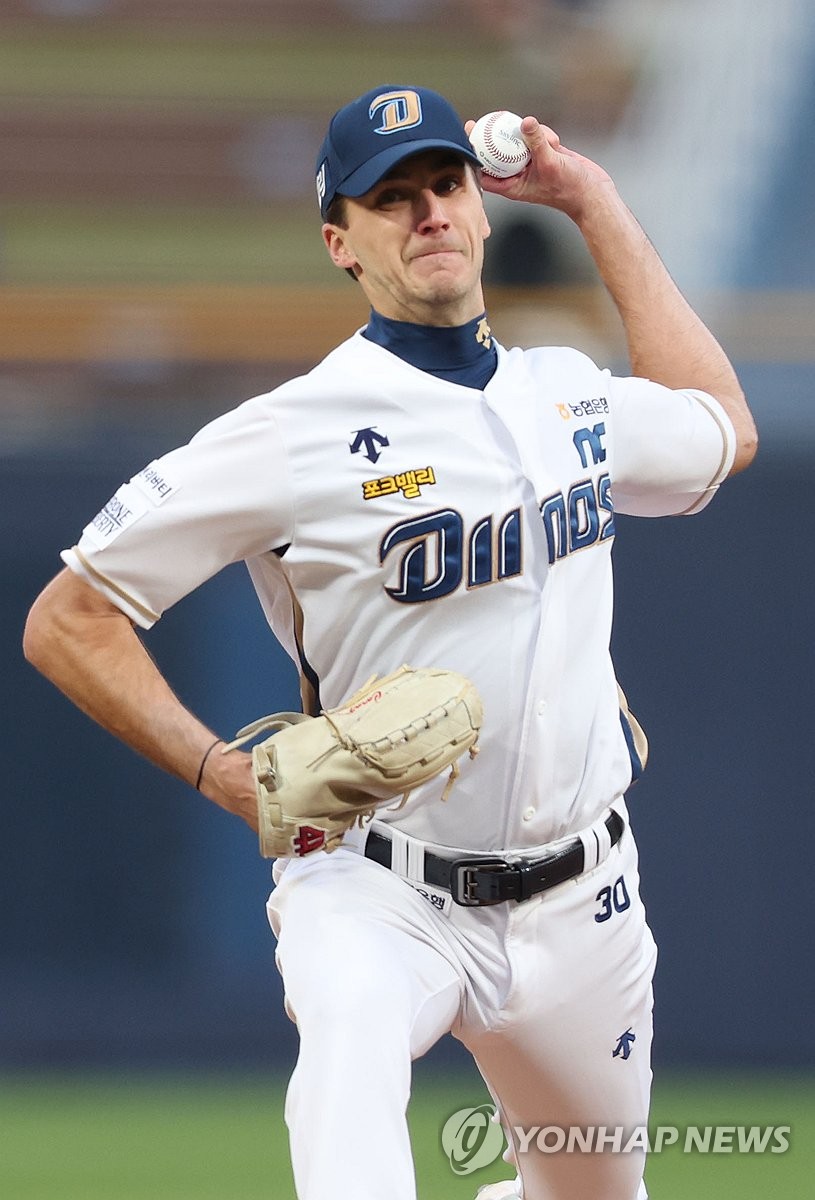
x=415, y=241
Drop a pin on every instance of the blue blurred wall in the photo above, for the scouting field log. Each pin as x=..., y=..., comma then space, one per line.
x=133, y=925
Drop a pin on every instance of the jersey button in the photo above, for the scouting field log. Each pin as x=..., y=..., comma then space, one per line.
x=541, y=708
x=529, y=813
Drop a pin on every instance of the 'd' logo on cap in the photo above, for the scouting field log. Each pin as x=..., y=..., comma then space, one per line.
x=397, y=110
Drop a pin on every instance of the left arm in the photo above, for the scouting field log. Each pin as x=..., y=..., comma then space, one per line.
x=89, y=649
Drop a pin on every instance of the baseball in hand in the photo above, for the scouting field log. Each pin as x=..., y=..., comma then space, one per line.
x=496, y=139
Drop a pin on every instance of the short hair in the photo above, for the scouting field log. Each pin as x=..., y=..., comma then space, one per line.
x=335, y=215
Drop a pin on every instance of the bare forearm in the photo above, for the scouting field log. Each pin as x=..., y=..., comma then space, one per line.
x=667, y=341
x=91, y=652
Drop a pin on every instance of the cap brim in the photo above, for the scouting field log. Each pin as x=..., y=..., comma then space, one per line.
x=364, y=178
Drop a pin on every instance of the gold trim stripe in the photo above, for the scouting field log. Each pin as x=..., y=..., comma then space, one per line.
x=147, y=613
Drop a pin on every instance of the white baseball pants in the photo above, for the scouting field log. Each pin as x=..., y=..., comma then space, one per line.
x=542, y=993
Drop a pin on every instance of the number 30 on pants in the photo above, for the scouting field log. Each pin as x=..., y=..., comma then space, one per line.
x=614, y=899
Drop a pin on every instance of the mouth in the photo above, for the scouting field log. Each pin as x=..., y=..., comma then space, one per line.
x=437, y=252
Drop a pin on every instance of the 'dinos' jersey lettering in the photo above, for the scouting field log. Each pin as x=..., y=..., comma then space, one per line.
x=390, y=517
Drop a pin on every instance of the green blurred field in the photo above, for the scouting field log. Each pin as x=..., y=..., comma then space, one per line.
x=162, y=1138
x=49, y=243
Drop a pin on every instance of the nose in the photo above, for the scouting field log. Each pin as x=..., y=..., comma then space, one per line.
x=431, y=212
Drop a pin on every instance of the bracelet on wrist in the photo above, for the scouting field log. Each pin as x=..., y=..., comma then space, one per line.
x=217, y=742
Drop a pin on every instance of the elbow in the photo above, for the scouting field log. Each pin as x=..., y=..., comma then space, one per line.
x=67, y=623
x=746, y=448
x=46, y=633
x=735, y=405
x=30, y=642
x=38, y=636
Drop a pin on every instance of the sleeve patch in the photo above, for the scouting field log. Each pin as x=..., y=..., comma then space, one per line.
x=154, y=483
x=122, y=510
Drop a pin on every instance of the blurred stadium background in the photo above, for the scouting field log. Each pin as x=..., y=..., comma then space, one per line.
x=160, y=261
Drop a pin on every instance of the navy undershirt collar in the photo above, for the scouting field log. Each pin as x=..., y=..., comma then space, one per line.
x=465, y=354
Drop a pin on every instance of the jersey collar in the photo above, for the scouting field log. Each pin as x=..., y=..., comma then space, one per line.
x=464, y=354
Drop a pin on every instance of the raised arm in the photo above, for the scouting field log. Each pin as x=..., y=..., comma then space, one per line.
x=667, y=341
x=89, y=649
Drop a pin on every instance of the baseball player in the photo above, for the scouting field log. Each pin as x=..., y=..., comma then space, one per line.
x=425, y=495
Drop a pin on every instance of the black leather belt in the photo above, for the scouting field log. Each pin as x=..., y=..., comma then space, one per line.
x=479, y=881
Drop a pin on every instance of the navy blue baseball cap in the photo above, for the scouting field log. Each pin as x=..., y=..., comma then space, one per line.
x=373, y=133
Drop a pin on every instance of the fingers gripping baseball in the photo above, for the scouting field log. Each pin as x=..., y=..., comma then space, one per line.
x=555, y=175
x=537, y=136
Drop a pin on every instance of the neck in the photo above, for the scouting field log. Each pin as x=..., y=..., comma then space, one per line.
x=444, y=314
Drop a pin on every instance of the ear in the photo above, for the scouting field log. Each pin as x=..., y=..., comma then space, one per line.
x=485, y=225
x=335, y=241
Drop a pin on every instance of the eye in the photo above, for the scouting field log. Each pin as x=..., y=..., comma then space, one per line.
x=447, y=184
x=389, y=196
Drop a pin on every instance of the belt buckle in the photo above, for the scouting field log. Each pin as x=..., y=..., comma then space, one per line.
x=463, y=884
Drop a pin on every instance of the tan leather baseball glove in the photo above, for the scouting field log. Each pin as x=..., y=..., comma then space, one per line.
x=317, y=776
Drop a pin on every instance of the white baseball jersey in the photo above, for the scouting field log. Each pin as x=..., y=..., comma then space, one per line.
x=389, y=517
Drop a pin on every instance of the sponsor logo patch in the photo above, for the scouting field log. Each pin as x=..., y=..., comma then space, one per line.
x=586, y=408
x=153, y=482
x=435, y=897
x=409, y=483
x=368, y=441
x=122, y=510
